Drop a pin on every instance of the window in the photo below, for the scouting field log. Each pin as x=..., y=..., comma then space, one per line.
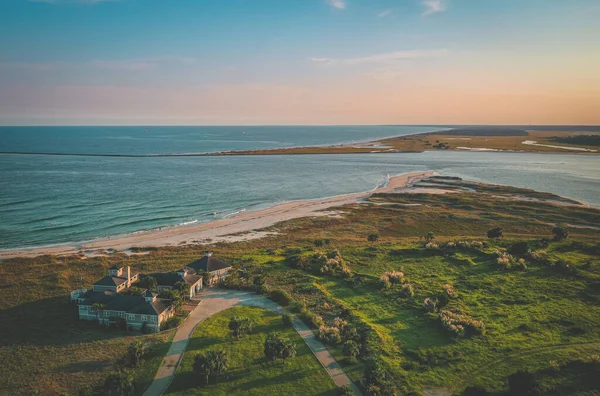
x=153, y=319
x=121, y=314
x=106, y=313
x=144, y=318
x=131, y=316
x=83, y=307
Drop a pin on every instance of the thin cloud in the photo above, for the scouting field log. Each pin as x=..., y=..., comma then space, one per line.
x=382, y=58
x=122, y=65
x=433, y=7
x=339, y=4
x=384, y=13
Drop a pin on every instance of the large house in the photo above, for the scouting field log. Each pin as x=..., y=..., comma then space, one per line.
x=108, y=305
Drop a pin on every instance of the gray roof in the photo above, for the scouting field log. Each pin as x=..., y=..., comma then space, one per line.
x=129, y=304
x=208, y=264
x=114, y=267
x=110, y=281
x=171, y=278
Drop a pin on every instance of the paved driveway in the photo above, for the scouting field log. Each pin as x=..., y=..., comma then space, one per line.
x=217, y=300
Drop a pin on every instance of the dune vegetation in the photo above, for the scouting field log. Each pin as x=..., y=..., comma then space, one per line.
x=410, y=280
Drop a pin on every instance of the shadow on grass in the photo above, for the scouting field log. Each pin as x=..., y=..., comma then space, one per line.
x=51, y=321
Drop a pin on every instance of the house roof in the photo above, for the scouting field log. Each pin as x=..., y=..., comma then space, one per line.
x=110, y=281
x=208, y=264
x=129, y=304
x=155, y=307
x=114, y=267
x=171, y=278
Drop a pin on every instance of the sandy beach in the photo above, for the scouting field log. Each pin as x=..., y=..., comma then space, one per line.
x=245, y=226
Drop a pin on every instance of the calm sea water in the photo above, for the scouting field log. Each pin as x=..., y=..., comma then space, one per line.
x=48, y=200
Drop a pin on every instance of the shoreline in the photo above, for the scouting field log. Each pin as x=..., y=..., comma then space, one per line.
x=238, y=228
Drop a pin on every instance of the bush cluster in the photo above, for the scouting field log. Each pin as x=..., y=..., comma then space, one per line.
x=508, y=261
x=459, y=324
x=390, y=278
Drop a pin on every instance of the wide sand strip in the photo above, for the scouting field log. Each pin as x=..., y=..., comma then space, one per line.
x=234, y=229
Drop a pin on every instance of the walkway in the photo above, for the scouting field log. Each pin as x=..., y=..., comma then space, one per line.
x=217, y=300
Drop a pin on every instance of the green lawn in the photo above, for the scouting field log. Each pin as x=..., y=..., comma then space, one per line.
x=249, y=373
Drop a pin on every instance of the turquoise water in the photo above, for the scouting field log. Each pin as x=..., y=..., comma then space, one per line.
x=47, y=200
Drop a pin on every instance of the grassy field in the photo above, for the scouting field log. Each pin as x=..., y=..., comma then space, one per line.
x=535, y=319
x=250, y=373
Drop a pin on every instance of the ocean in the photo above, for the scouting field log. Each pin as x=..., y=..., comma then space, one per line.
x=48, y=200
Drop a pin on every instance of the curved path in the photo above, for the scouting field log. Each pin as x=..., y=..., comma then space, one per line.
x=217, y=300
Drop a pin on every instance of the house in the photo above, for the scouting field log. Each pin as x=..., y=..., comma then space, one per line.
x=168, y=280
x=107, y=304
x=214, y=268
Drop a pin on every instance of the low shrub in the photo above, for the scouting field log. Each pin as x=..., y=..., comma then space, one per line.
x=407, y=291
x=430, y=305
x=392, y=278
x=171, y=323
x=519, y=248
x=330, y=335
x=459, y=324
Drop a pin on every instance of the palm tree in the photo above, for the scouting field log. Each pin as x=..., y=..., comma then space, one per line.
x=213, y=362
x=99, y=309
x=136, y=352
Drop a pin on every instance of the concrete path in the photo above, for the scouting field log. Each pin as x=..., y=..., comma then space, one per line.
x=217, y=300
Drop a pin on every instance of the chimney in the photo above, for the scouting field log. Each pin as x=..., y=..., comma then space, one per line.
x=128, y=276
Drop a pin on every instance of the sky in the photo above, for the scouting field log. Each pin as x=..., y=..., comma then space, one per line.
x=292, y=62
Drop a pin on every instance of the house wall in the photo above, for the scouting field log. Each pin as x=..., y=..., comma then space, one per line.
x=136, y=321
x=86, y=313
x=216, y=276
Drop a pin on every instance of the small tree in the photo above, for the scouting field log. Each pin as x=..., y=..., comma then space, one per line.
x=148, y=282
x=318, y=242
x=99, y=309
x=240, y=326
x=374, y=237
x=220, y=361
x=272, y=347
x=518, y=248
x=211, y=363
x=277, y=347
x=351, y=349
x=495, y=233
x=135, y=352
x=327, y=241
x=119, y=384
x=202, y=367
x=560, y=232
x=288, y=350
x=182, y=288
x=430, y=236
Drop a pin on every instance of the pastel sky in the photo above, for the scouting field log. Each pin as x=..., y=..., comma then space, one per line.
x=214, y=62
